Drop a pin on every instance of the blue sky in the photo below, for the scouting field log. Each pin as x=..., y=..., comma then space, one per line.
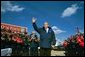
x=63, y=16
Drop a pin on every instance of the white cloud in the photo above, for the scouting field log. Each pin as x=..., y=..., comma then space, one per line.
x=58, y=42
x=70, y=10
x=16, y=8
x=57, y=30
x=8, y=6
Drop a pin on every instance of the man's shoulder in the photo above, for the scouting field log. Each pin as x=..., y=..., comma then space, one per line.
x=50, y=28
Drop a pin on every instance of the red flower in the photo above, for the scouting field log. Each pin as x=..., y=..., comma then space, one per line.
x=81, y=44
x=80, y=40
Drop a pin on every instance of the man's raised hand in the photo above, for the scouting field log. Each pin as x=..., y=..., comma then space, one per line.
x=33, y=20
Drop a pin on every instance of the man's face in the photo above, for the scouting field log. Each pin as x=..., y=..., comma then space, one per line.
x=46, y=25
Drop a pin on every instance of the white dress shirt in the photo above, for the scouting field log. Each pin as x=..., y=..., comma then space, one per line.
x=47, y=30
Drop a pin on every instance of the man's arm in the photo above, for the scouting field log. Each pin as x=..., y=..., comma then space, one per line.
x=53, y=38
x=34, y=25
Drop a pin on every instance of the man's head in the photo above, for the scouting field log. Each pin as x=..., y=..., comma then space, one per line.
x=46, y=25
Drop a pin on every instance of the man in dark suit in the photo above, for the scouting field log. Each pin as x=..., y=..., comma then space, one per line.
x=47, y=38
